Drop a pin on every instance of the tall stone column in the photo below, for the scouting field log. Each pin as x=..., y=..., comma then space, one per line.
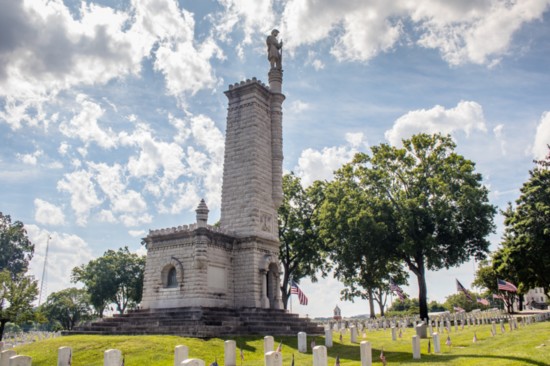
x=276, y=111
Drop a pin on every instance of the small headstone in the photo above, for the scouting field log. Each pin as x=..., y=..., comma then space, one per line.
x=437, y=343
x=319, y=356
x=366, y=353
x=416, y=347
x=328, y=338
x=64, y=356
x=5, y=357
x=421, y=330
x=112, y=357
x=393, y=334
x=302, y=342
x=192, y=362
x=230, y=353
x=273, y=358
x=181, y=353
x=269, y=343
x=20, y=361
x=353, y=331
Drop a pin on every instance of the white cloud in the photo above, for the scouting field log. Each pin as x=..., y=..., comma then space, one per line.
x=499, y=135
x=84, y=198
x=30, y=159
x=47, y=213
x=251, y=16
x=84, y=125
x=320, y=165
x=137, y=233
x=542, y=137
x=467, y=116
x=298, y=106
x=65, y=252
x=463, y=31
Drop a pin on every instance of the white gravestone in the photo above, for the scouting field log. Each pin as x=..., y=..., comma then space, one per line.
x=302, y=342
x=5, y=357
x=328, y=338
x=1, y=346
x=273, y=358
x=416, y=347
x=366, y=353
x=192, y=362
x=393, y=334
x=353, y=331
x=268, y=344
x=64, y=356
x=230, y=353
x=181, y=353
x=319, y=356
x=437, y=343
x=20, y=361
x=112, y=357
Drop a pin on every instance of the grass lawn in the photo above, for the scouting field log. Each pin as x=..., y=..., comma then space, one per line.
x=529, y=345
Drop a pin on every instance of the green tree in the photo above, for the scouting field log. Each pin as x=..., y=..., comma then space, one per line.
x=486, y=278
x=16, y=250
x=299, y=250
x=438, y=210
x=526, y=244
x=16, y=296
x=462, y=301
x=354, y=228
x=68, y=307
x=116, y=277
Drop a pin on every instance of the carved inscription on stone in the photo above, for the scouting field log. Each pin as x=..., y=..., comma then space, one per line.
x=266, y=222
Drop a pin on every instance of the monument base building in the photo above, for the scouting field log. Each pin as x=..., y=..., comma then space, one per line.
x=206, y=281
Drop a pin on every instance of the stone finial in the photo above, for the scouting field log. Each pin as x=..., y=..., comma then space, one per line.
x=202, y=214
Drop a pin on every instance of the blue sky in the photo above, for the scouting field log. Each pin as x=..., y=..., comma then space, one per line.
x=112, y=113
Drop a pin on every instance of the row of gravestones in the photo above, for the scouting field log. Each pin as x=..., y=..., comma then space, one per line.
x=114, y=357
x=14, y=339
x=384, y=323
x=272, y=358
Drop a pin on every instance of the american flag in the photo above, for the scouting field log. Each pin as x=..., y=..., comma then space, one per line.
x=458, y=309
x=497, y=297
x=382, y=357
x=461, y=288
x=242, y=355
x=448, y=342
x=280, y=348
x=294, y=289
x=215, y=363
x=398, y=290
x=483, y=301
x=337, y=363
x=506, y=286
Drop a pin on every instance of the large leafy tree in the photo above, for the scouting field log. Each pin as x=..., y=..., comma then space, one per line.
x=354, y=226
x=68, y=307
x=16, y=250
x=298, y=233
x=439, y=214
x=16, y=296
x=486, y=277
x=116, y=277
x=526, y=244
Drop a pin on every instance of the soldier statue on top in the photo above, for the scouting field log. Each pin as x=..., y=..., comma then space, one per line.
x=274, y=50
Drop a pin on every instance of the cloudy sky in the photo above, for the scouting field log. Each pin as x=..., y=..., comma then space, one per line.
x=112, y=112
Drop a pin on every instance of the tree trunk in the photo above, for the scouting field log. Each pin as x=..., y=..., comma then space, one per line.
x=422, y=293
x=2, y=325
x=285, y=293
x=520, y=305
x=371, y=304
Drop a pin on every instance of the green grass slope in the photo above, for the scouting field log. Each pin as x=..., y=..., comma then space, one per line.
x=529, y=345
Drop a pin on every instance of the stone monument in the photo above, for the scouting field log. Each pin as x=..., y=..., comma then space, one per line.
x=225, y=276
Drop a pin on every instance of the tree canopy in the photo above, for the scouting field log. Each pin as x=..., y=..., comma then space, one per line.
x=16, y=250
x=427, y=203
x=525, y=249
x=67, y=307
x=298, y=233
x=116, y=277
x=16, y=296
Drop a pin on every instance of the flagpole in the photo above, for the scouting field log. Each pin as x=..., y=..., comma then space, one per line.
x=290, y=296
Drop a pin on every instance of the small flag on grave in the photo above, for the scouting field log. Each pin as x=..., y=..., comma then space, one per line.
x=292, y=363
x=475, y=337
x=429, y=346
x=448, y=342
x=337, y=363
x=242, y=355
x=341, y=337
x=280, y=347
x=215, y=363
x=382, y=357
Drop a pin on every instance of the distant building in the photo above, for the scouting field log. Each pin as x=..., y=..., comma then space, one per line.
x=536, y=299
x=337, y=313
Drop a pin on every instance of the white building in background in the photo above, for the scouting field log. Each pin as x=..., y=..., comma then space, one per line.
x=535, y=296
